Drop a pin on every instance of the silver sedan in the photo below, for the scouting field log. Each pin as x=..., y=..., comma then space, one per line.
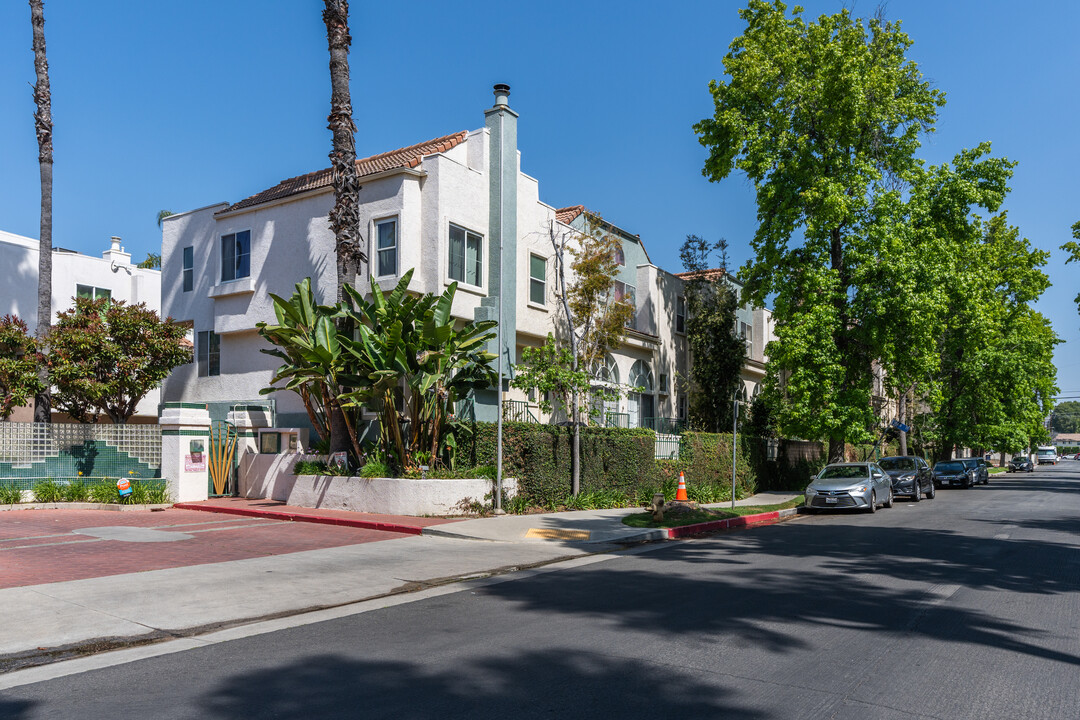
x=851, y=486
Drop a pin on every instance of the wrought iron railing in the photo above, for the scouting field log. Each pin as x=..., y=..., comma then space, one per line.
x=668, y=447
x=665, y=425
x=617, y=420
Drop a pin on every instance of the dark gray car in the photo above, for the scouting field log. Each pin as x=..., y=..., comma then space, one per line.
x=911, y=476
x=979, y=468
x=953, y=472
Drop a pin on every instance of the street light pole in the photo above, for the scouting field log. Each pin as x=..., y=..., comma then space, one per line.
x=734, y=443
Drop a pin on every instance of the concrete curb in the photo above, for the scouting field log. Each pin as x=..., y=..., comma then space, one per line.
x=766, y=518
x=84, y=506
x=301, y=517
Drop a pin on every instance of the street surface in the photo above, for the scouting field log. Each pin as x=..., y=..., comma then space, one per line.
x=966, y=606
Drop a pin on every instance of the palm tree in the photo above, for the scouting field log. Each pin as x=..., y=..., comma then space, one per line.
x=345, y=217
x=43, y=127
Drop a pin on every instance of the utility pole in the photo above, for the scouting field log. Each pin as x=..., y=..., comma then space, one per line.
x=734, y=443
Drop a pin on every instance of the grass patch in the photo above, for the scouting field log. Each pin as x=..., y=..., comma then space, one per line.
x=996, y=470
x=644, y=519
x=10, y=494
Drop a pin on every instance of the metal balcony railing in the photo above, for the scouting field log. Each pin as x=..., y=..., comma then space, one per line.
x=664, y=425
x=617, y=420
x=519, y=411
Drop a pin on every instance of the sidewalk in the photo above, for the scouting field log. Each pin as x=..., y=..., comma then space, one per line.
x=114, y=610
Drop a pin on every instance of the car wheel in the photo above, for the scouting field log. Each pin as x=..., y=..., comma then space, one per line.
x=986, y=480
x=918, y=492
x=931, y=492
x=888, y=503
x=873, y=501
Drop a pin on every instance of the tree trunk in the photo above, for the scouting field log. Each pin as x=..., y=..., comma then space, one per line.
x=902, y=412
x=836, y=450
x=345, y=217
x=43, y=127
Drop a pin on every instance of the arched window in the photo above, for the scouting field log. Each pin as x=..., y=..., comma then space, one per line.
x=641, y=376
x=607, y=371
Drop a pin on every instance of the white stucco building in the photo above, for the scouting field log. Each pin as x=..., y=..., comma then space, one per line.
x=456, y=208
x=74, y=275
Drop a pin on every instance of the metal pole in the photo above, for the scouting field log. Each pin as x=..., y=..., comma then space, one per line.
x=734, y=444
x=499, y=333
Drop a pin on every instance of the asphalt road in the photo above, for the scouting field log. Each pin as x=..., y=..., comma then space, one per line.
x=966, y=606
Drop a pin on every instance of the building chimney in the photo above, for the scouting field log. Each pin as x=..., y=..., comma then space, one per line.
x=502, y=95
x=115, y=254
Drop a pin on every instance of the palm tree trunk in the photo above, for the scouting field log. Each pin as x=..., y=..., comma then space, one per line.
x=43, y=127
x=345, y=217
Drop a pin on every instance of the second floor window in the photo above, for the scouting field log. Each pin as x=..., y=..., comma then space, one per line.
x=537, y=280
x=386, y=248
x=747, y=333
x=466, y=256
x=208, y=349
x=236, y=255
x=627, y=293
x=680, y=314
x=189, y=269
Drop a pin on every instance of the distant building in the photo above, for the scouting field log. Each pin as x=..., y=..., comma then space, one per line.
x=74, y=275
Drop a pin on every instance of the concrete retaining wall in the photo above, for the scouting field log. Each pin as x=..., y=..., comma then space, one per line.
x=270, y=476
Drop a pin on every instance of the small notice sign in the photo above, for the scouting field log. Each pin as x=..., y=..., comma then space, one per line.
x=123, y=485
x=340, y=459
x=195, y=462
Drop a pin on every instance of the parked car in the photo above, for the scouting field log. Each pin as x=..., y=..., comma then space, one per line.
x=981, y=469
x=859, y=486
x=910, y=475
x=1020, y=463
x=1046, y=454
x=953, y=472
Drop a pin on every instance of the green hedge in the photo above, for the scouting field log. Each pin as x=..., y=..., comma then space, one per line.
x=616, y=461
x=539, y=456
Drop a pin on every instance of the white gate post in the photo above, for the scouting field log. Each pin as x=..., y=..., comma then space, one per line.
x=185, y=448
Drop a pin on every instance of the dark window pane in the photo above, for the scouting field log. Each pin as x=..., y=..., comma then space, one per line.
x=474, y=260
x=386, y=241
x=228, y=257
x=189, y=272
x=456, y=269
x=243, y=254
x=100, y=293
x=536, y=292
x=84, y=291
x=202, y=351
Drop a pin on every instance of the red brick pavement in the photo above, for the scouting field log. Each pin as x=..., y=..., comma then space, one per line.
x=38, y=546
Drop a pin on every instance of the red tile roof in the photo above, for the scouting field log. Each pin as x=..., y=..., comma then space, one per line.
x=566, y=215
x=710, y=274
x=408, y=157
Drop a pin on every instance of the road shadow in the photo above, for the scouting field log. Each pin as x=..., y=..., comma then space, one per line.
x=1064, y=524
x=15, y=709
x=531, y=685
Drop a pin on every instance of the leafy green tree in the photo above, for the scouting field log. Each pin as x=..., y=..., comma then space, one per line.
x=824, y=118
x=105, y=356
x=19, y=362
x=152, y=262
x=718, y=353
x=1073, y=248
x=1066, y=417
x=403, y=341
x=593, y=321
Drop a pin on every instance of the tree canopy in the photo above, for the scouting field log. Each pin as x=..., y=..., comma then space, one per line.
x=824, y=118
x=105, y=356
x=18, y=365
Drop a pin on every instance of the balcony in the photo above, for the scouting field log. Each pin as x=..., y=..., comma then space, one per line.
x=519, y=411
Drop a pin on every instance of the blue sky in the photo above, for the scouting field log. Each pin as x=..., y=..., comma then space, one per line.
x=180, y=105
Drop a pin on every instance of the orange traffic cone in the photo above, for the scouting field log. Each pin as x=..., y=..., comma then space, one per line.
x=680, y=494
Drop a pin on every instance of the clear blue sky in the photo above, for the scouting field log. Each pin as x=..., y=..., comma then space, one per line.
x=179, y=105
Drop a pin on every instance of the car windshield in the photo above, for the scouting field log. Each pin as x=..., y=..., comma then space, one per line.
x=949, y=467
x=1020, y=458
x=1047, y=453
x=900, y=463
x=843, y=472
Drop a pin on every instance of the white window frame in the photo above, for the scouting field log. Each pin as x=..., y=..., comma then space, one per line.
x=462, y=282
x=376, y=250
x=96, y=293
x=221, y=264
x=542, y=280
x=680, y=315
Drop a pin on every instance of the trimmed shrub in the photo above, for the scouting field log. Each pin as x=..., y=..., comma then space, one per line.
x=539, y=456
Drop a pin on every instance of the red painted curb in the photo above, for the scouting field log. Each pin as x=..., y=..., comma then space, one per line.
x=301, y=517
x=767, y=518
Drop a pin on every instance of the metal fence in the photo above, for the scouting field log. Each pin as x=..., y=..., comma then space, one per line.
x=668, y=446
x=52, y=450
x=518, y=411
